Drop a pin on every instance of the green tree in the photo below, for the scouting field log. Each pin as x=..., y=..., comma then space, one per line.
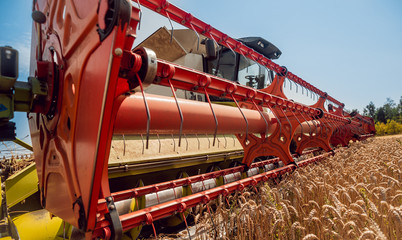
x=390, y=109
x=380, y=115
x=369, y=110
x=388, y=118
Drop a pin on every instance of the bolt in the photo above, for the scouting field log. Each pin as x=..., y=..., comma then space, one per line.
x=118, y=52
x=38, y=17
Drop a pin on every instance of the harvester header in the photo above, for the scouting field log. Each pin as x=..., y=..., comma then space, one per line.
x=214, y=111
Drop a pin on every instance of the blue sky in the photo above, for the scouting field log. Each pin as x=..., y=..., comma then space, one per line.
x=350, y=49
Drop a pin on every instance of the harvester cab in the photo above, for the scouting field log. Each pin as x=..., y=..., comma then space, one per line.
x=186, y=48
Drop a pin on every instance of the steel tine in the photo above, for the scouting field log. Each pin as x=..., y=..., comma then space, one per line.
x=226, y=142
x=234, y=53
x=124, y=146
x=159, y=141
x=178, y=108
x=334, y=124
x=301, y=126
x=284, y=83
x=213, y=113
x=212, y=220
x=323, y=127
x=329, y=125
x=269, y=75
x=171, y=32
x=314, y=121
x=290, y=83
x=174, y=143
x=139, y=7
x=297, y=88
x=185, y=137
x=308, y=124
x=339, y=126
x=143, y=146
x=287, y=119
x=185, y=221
x=213, y=39
x=234, y=140
x=153, y=227
x=217, y=45
x=209, y=142
x=146, y=108
x=198, y=37
x=263, y=117
x=198, y=140
x=279, y=122
x=244, y=116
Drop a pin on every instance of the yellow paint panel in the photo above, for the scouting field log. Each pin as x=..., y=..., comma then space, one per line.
x=38, y=225
x=21, y=185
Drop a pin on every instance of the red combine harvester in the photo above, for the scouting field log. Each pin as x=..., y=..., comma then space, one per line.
x=125, y=137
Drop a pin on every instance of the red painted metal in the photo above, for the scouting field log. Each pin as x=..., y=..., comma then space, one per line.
x=150, y=214
x=197, y=117
x=186, y=19
x=71, y=148
x=141, y=191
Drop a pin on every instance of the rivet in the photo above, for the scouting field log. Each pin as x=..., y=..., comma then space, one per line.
x=118, y=52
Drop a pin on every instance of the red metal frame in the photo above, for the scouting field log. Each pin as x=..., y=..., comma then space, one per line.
x=186, y=19
x=151, y=214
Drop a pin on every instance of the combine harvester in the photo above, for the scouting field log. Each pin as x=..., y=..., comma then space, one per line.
x=125, y=137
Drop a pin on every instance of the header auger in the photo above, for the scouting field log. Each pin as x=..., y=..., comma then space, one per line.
x=92, y=99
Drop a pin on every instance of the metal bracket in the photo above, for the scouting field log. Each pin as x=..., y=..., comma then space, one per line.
x=113, y=217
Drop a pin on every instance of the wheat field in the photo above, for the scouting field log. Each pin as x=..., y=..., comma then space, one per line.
x=356, y=194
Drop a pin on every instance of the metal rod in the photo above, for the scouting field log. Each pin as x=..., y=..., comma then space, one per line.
x=124, y=146
x=178, y=108
x=245, y=119
x=263, y=117
x=146, y=108
x=213, y=113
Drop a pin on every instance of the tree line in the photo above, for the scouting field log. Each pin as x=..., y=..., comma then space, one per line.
x=389, y=111
x=388, y=118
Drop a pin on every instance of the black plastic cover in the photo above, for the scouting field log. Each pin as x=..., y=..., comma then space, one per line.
x=262, y=46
